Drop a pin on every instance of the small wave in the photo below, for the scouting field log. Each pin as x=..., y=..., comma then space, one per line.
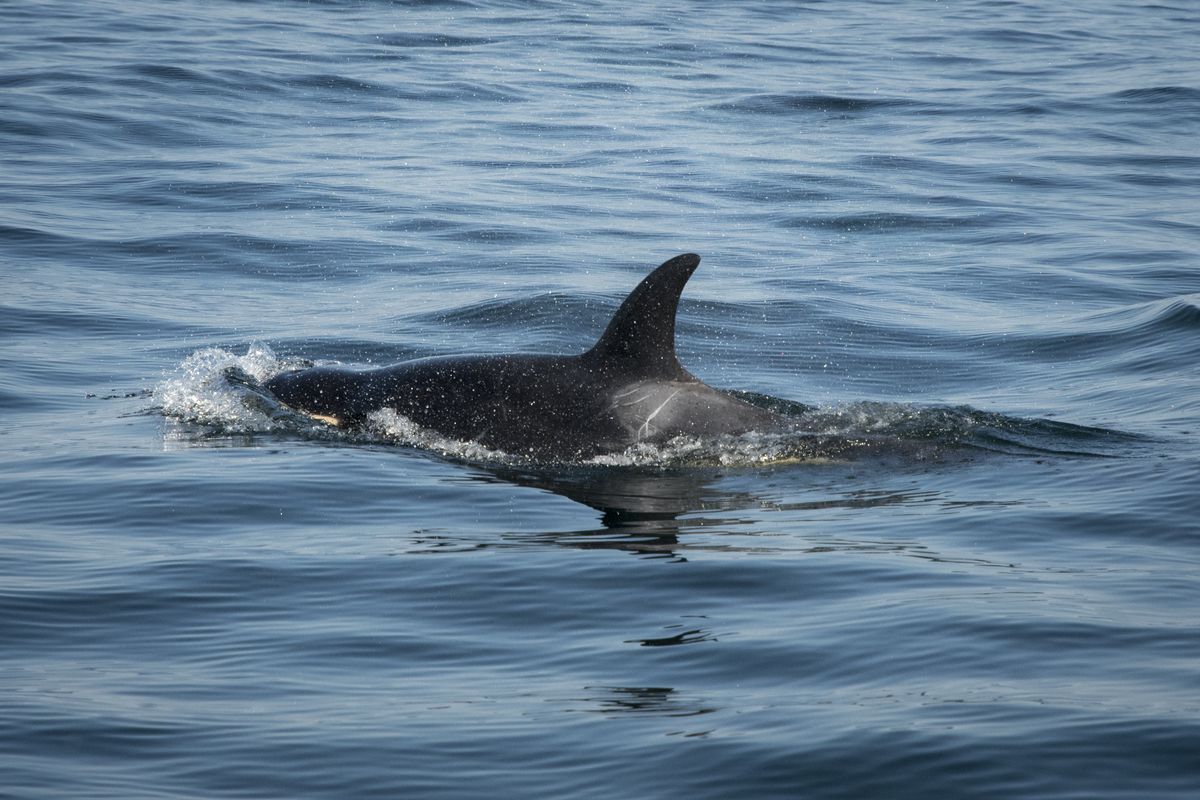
x=1169, y=315
x=168, y=72
x=777, y=193
x=343, y=87
x=237, y=254
x=340, y=84
x=810, y=104
x=1159, y=95
x=37, y=236
x=427, y=40
x=15, y=80
x=496, y=235
x=29, y=132
x=540, y=318
x=880, y=222
x=603, y=87
x=963, y=426
x=891, y=162
x=1018, y=36
x=1122, y=331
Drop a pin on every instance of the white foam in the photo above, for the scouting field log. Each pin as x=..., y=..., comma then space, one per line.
x=399, y=429
x=750, y=449
x=205, y=388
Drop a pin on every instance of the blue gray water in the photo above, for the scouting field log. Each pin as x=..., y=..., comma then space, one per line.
x=966, y=236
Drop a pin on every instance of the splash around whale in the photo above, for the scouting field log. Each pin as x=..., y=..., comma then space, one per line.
x=629, y=388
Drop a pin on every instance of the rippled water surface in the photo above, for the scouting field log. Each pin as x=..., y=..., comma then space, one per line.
x=961, y=240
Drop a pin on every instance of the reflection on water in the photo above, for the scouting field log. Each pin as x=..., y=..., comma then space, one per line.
x=649, y=511
x=647, y=501
x=670, y=513
x=655, y=700
x=678, y=633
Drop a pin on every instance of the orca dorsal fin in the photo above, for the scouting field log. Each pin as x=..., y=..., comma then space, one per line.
x=640, y=339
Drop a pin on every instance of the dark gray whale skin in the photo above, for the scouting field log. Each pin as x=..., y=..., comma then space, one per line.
x=628, y=388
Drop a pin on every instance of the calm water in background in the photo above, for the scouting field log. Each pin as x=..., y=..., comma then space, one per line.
x=966, y=232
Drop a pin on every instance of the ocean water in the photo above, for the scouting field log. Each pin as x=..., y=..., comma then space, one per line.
x=961, y=239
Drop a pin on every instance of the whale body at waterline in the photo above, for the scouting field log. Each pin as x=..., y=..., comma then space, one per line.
x=628, y=388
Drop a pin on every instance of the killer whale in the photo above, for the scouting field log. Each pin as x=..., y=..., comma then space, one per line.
x=628, y=388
